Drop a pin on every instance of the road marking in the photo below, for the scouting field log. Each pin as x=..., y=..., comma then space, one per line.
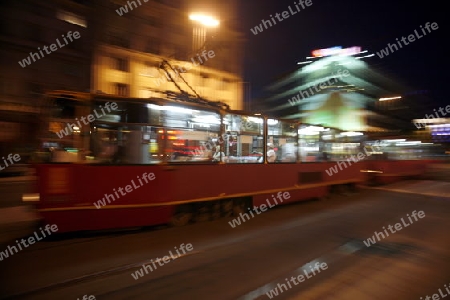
x=332, y=257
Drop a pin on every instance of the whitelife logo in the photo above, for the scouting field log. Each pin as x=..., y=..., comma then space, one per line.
x=372, y=241
x=391, y=48
x=360, y=156
x=237, y=221
x=86, y=297
x=31, y=240
x=302, y=94
x=300, y=278
x=441, y=110
x=16, y=158
x=110, y=197
x=284, y=15
x=124, y=9
x=91, y=118
x=27, y=61
x=437, y=296
x=165, y=260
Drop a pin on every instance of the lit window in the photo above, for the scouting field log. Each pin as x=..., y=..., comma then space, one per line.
x=121, y=89
x=120, y=64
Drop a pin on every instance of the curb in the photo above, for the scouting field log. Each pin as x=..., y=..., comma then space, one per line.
x=18, y=178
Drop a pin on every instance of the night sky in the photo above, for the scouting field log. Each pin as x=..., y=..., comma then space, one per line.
x=369, y=24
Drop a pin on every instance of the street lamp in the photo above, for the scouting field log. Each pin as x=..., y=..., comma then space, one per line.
x=204, y=20
x=199, y=31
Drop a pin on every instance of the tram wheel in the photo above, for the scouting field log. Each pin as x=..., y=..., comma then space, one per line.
x=215, y=210
x=182, y=216
x=239, y=206
x=227, y=208
x=353, y=188
x=202, y=212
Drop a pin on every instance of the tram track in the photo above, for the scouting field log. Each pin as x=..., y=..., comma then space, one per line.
x=75, y=280
x=337, y=254
x=68, y=239
x=212, y=255
x=210, y=246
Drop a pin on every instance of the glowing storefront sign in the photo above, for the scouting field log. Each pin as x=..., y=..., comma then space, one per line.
x=336, y=51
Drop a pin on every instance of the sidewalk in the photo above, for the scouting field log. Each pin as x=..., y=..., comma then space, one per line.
x=16, y=222
x=17, y=219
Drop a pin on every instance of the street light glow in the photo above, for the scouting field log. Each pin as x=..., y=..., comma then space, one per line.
x=204, y=20
x=390, y=98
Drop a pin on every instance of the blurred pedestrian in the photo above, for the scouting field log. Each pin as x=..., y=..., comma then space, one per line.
x=271, y=154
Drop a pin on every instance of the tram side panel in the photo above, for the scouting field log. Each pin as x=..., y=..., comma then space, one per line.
x=345, y=172
x=302, y=181
x=123, y=197
x=389, y=171
x=216, y=182
x=315, y=180
x=230, y=180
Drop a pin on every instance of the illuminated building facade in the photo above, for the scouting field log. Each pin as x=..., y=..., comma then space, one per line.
x=119, y=52
x=204, y=60
x=25, y=73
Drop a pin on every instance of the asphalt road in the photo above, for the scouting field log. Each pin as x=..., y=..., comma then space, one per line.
x=248, y=261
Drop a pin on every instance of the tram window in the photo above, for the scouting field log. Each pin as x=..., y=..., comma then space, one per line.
x=326, y=144
x=337, y=151
x=191, y=145
x=338, y=145
x=108, y=112
x=243, y=141
x=310, y=143
x=281, y=140
x=173, y=133
x=281, y=128
x=65, y=126
x=104, y=144
x=130, y=112
x=156, y=116
x=137, y=113
x=191, y=135
x=130, y=144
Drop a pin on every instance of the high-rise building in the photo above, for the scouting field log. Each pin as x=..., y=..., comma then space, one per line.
x=344, y=91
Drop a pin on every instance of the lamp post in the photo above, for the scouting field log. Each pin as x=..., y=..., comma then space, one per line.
x=202, y=22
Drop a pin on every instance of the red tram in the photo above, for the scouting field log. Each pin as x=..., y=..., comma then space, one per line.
x=112, y=162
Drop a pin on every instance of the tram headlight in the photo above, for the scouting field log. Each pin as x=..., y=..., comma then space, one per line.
x=35, y=197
